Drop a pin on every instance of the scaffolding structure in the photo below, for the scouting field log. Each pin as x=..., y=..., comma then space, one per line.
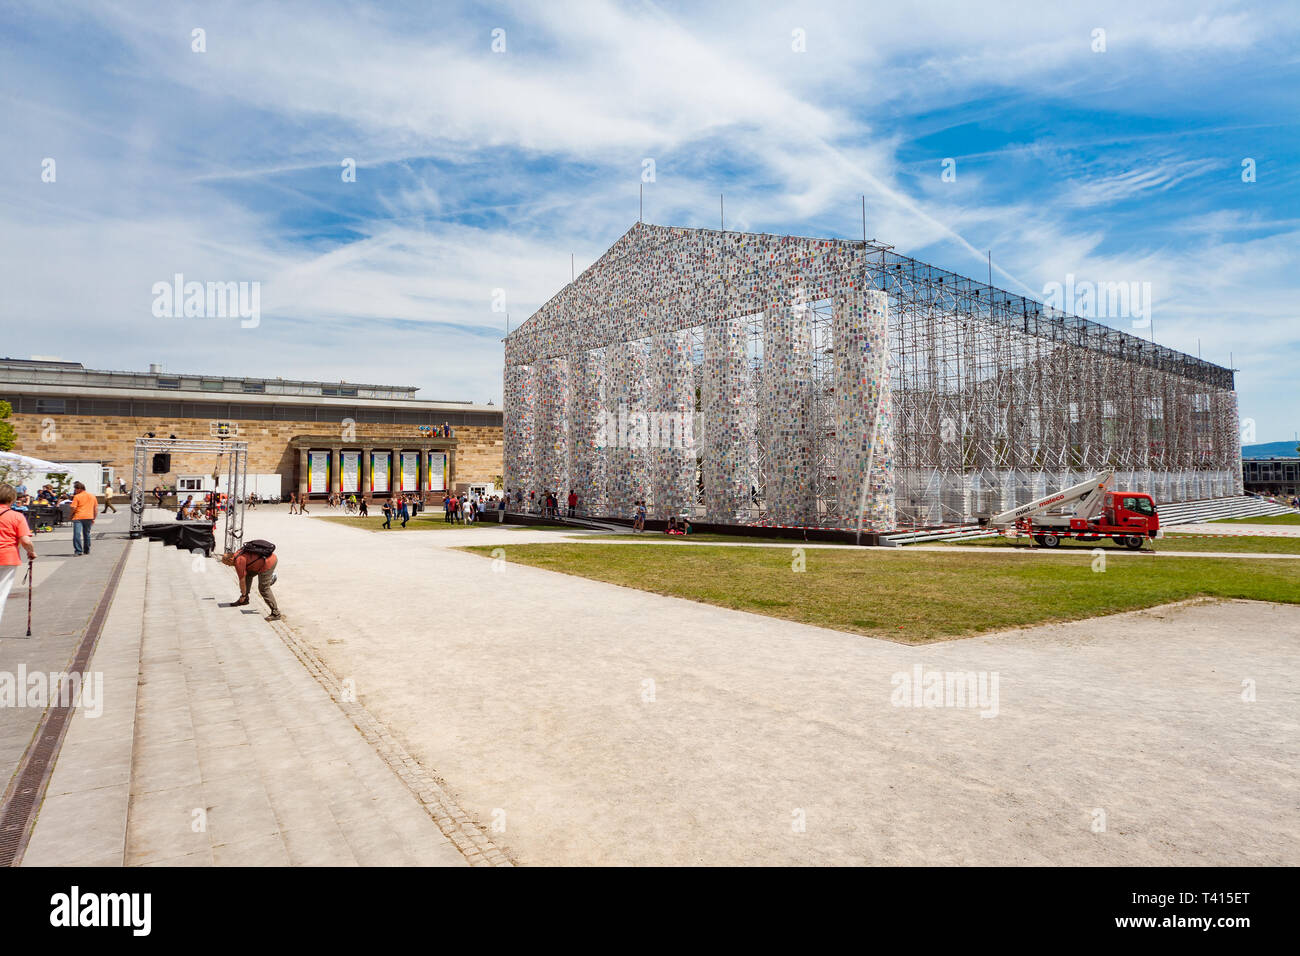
x=1000, y=399
x=829, y=382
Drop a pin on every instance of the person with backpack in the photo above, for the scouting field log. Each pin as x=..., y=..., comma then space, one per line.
x=255, y=557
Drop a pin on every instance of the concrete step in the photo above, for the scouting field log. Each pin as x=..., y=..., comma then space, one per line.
x=369, y=805
x=241, y=757
x=1243, y=506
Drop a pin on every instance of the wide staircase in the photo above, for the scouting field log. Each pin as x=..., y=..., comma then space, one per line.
x=1209, y=509
x=228, y=711
x=235, y=747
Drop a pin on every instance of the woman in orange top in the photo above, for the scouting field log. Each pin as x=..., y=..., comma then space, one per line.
x=14, y=534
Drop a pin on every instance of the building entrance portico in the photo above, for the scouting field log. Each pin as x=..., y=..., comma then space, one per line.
x=374, y=467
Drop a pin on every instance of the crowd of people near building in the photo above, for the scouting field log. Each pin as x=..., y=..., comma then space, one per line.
x=48, y=506
x=457, y=507
x=547, y=505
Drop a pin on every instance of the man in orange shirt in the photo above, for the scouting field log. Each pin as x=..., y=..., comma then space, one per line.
x=84, y=507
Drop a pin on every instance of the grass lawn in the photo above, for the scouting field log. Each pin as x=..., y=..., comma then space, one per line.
x=1261, y=519
x=1236, y=544
x=914, y=597
x=424, y=522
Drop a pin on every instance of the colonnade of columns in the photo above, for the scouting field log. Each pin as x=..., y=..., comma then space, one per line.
x=388, y=460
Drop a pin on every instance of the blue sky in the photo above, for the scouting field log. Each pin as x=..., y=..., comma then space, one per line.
x=481, y=170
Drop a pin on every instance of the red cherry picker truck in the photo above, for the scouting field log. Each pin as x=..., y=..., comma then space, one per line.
x=1128, y=518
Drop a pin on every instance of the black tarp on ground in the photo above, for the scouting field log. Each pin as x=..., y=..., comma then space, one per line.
x=187, y=535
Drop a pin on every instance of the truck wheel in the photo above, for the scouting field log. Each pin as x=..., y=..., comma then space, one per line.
x=1038, y=538
x=1133, y=542
x=1051, y=541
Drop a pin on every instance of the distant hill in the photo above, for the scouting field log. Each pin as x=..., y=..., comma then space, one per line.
x=1272, y=449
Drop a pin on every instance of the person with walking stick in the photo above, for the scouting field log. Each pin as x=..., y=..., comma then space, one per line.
x=14, y=534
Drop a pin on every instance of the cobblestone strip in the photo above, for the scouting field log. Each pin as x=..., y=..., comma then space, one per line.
x=468, y=837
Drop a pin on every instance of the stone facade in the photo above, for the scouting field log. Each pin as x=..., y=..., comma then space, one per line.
x=111, y=440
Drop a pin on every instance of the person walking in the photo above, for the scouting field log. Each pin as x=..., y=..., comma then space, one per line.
x=388, y=514
x=403, y=512
x=14, y=534
x=108, y=494
x=446, y=508
x=362, y=510
x=250, y=560
x=84, y=508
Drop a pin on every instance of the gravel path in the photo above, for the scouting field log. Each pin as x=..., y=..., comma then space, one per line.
x=600, y=724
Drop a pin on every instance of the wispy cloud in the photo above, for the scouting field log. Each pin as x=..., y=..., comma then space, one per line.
x=479, y=171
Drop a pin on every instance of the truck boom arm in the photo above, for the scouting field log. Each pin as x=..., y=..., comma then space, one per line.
x=1079, y=492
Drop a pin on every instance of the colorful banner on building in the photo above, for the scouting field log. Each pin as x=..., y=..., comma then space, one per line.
x=381, y=468
x=410, y=471
x=437, y=471
x=350, y=471
x=318, y=472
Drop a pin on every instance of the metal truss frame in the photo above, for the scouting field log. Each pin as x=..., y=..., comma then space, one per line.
x=236, y=472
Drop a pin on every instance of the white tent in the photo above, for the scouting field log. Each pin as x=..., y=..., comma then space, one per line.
x=15, y=467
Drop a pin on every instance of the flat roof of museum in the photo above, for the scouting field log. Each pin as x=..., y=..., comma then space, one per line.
x=64, y=377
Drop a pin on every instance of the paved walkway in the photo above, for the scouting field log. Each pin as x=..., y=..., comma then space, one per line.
x=434, y=711
x=1110, y=552
x=490, y=534
x=606, y=725
x=231, y=753
x=65, y=594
